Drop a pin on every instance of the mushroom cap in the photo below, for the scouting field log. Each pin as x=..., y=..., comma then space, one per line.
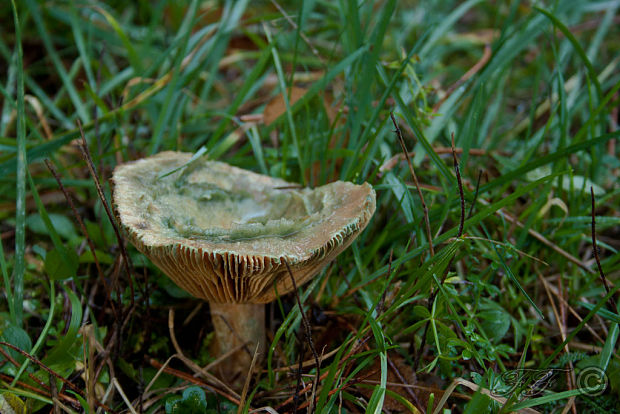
x=223, y=233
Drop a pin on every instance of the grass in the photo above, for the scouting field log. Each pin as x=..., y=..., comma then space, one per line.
x=512, y=314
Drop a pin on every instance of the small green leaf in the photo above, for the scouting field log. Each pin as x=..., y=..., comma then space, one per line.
x=194, y=401
x=495, y=323
x=104, y=258
x=63, y=225
x=61, y=265
x=15, y=336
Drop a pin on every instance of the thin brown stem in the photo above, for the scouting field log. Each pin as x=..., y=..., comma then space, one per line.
x=417, y=185
x=121, y=244
x=51, y=372
x=387, y=277
x=460, y=184
x=298, y=383
x=190, y=378
x=473, y=203
x=308, y=332
x=433, y=296
x=401, y=378
x=596, y=256
x=80, y=222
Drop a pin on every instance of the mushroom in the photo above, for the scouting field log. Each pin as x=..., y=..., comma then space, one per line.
x=225, y=235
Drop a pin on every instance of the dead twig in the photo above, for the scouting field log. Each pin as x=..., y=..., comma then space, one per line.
x=401, y=378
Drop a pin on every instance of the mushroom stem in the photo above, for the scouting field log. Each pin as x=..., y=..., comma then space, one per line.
x=238, y=326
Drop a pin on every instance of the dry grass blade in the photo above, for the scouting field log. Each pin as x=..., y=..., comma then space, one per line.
x=562, y=328
x=123, y=396
x=191, y=364
x=246, y=385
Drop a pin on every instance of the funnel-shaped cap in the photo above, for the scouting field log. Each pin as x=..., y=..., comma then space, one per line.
x=223, y=233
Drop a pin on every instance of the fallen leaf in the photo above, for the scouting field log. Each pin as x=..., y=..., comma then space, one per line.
x=277, y=106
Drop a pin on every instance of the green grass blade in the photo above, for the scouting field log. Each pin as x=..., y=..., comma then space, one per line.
x=471, y=222
x=79, y=43
x=533, y=402
x=42, y=335
x=446, y=23
x=417, y=130
x=514, y=280
x=172, y=89
x=133, y=57
x=8, y=91
x=365, y=78
x=22, y=164
x=80, y=108
x=538, y=162
x=577, y=329
x=582, y=54
x=609, y=347
x=243, y=93
x=287, y=112
x=8, y=291
x=321, y=84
